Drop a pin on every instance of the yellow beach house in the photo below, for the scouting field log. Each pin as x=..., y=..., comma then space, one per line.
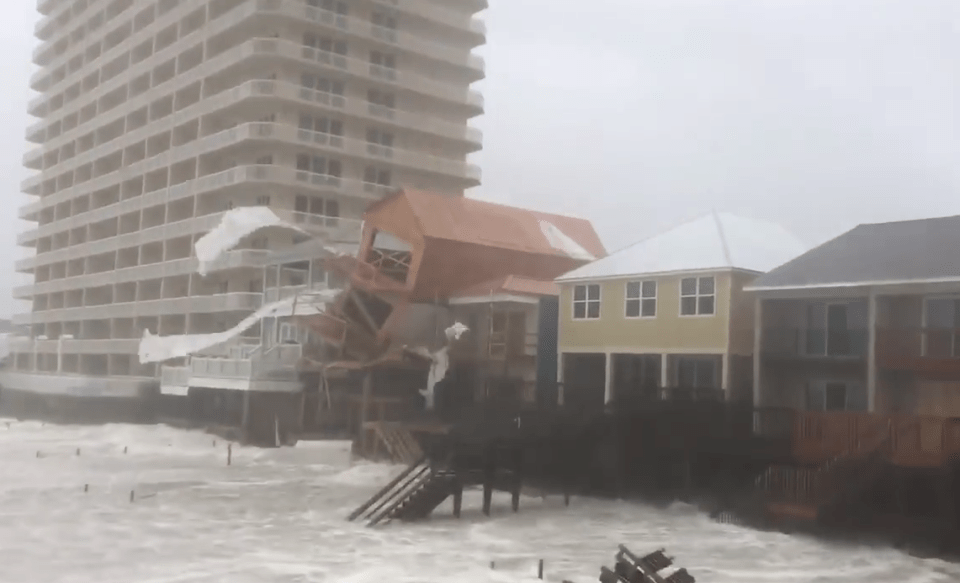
x=668, y=312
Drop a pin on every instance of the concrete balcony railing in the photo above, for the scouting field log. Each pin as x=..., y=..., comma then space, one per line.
x=365, y=29
x=252, y=90
x=280, y=133
x=184, y=228
x=228, y=302
x=92, y=7
x=79, y=346
x=237, y=15
x=240, y=259
x=435, y=12
x=346, y=230
x=273, y=175
x=242, y=11
x=45, y=7
x=455, y=92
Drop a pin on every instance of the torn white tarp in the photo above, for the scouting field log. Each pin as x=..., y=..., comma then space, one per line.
x=160, y=348
x=562, y=242
x=439, y=363
x=235, y=225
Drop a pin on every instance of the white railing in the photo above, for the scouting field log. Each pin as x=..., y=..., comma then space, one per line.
x=221, y=368
x=420, y=84
x=229, y=260
x=229, y=302
x=224, y=99
x=175, y=376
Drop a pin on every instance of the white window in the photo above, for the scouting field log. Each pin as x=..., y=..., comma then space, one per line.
x=586, y=302
x=698, y=296
x=641, y=299
x=263, y=200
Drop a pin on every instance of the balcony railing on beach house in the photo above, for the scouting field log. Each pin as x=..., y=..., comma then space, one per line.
x=815, y=343
x=925, y=350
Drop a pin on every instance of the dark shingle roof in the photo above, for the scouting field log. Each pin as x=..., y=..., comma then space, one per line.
x=906, y=251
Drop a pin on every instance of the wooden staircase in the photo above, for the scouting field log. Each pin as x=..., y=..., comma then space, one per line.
x=412, y=495
x=399, y=442
x=810, y=494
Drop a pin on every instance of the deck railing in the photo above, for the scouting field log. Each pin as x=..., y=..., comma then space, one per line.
x=914, y=440
x=919, y=342
x=815, y=342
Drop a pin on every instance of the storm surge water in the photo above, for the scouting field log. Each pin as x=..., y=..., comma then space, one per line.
x=66, y=515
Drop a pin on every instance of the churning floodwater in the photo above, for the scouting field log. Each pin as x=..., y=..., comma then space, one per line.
x=278, y=516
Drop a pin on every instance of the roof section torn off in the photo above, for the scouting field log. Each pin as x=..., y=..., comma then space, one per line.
x=235, y=225
x=560, y=241
x=160, y=348
x=239, y=222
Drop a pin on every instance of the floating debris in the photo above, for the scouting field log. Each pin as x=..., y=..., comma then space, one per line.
x=630, y=569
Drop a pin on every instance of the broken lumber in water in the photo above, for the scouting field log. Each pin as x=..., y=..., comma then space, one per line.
x=631, y=569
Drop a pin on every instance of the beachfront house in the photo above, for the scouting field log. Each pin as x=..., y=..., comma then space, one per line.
x=869, y=321
x=667, y=312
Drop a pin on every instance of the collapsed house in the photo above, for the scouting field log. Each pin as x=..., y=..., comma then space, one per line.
x=444, y=305
x=445, y=301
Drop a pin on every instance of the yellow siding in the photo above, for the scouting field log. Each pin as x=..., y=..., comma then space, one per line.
x=667, y=332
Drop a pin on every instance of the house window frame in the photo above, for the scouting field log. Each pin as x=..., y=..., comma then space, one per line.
x=926, y=327
x=586, y=301
x=698, y=296
x=499, y=343
x=640, y=299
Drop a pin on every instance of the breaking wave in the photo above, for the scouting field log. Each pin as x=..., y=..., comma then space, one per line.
x=278, y=516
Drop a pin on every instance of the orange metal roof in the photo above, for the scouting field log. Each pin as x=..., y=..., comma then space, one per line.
x=510, y=285
x=457, y=218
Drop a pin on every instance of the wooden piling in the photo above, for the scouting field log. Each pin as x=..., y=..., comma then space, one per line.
x=458, y=501
x=229, y=453
x=540, y=569
x=86, y=487
x=124, y=449
x=131, y=496
x=78, y=452
x=488, y=477
x=517, y=480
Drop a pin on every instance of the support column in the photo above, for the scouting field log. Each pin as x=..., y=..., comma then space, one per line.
x=608, y=378
x=757, y=349
x=367, y=391
x=560, y=396
x=245, y=420
x=664, y=373
x=725, y=374
x=872, y=351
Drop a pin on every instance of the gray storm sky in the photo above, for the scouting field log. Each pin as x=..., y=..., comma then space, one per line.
x=638, y=114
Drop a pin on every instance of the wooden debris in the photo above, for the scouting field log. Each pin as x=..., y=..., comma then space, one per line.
x=631, y=569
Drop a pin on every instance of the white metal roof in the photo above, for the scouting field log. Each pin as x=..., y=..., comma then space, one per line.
x=717, y=241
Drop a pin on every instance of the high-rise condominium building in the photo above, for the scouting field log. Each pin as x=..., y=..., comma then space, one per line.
x=157, y=116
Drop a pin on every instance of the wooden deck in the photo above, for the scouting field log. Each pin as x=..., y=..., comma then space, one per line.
x=915, y=441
